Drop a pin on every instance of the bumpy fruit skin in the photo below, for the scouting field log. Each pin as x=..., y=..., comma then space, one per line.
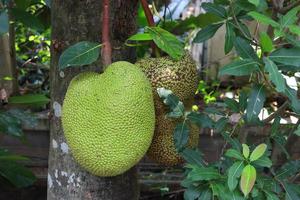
x=182, y=78
x=109, y=119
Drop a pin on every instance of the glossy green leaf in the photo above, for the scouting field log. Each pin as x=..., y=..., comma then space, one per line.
x=246, y=150
x=193, y=157
x=289, y=169
x=206, y=195
x=181, y=136
x=234, y=173
x=266, y=42
x=290, y=17
x=254, y=2
x=29, y=99
x=4, y=24
x=275, y=76
x=263, y=161
x=243, y=101
x=201, y=119
x=140, y=37
x=232, y=104
x=206, y=33
x=293, y=97
x=192, y=193
x=297, y=131
x=255, y=102
x=258, y=152
x=172, y=101
x=79, y=54
x=263, y=19
x=234, y=154
x=167, y=42
x=229, y=37
x=239, y=68
x=204, y=173
x=290, y=192
x=28, y=19
x=271, y=195
x=286, y=56
x=215, y=9
x=294, y=29
x=220, y=125
x=244, y=49
x=16, y=174
x=232, y=141
x=247, y=179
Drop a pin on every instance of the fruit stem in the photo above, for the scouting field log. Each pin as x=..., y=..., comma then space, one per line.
x=151, y=23
x=106, y=50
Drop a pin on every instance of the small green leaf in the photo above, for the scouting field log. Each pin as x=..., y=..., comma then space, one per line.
x=244, y=49
x=263, y=19
x=246, y=150
x=297, y=131
x=229, y=37
x=79, y=54
x=215, y=9
x=167, y=42
x=234, y=173
x=232, y=104
x=290, y=192
x=255, y=102
x=206, y=33
x=294, y=29
x=28, y=19
x=4, y=25
x=204, y=173
x=29, y=99
x=275, y=76
x=234, y=154
x=266, y=42
x=271, y=195
x=263, y=161
x=289, y=169
x=192, y=193
x=239, y=68
x=255, y=2
x=140, y=37
x=181, y=136
x=206, y=195
x=243, y=101
x=286, y=56
x=247, y=179
x=290, y=17
x=232, y=141
x=293, y=97
x=193, y=157
x=220, y=125
x=258, y=152
x=201, y=119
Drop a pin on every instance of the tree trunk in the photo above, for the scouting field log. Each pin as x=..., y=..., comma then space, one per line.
x=74, y=21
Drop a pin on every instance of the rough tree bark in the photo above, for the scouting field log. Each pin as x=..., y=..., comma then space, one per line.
x=74, y=21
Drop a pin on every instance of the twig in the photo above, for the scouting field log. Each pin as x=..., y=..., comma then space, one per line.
x=106, y=50
x=280, y=110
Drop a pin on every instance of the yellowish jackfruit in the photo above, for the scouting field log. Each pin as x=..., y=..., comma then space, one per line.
x=182, y=78
x=108, y=119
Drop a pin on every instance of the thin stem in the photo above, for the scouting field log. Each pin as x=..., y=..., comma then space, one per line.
x=106, y=50
x=280, y=110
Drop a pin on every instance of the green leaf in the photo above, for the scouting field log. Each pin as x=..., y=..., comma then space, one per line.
x=167, y=42
x=4, y=25
x=270, y=195
x=181, y=136
x=234, y=173
x=275, y=76
x=263, y=19
x=289, y=169
x=221, y=124
x=215, y=9
x=229, y=37
x=206, y=195
x=255, y=2
x=29, y=99
x=204, y=173
x=232, y=141
x=263, y=161
x=243, y=101
x=293, y=40
x=192, y=193
x=193, y=157
x=201, y=119
x=28, y=19
x=244, y=49
x=286, y=56
x=16, y=174
x=172, y=101
x=247, y=179
x=246, y=151
x=255, y=102
x=140, y=37
x=266, y=42
x=290, y=192
x=293, y=97
x=232, y=104
x=280, y=141
x=290, y=17
x=239, y=68
x=79, y=54
x=7, y=156
x=10, y=125
x=258, y=152
x=234, y=154
x=294, y=29
x=206, y=33
x=297, y=131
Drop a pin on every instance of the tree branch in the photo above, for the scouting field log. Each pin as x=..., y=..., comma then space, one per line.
x=148, y=13
x=106, y=50
x=280, y=110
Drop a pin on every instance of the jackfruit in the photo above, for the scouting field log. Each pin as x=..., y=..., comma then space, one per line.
x=182, y=79
x=109, y=119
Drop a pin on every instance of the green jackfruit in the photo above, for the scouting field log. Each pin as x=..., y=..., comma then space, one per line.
x=181, y=78
x=108, y=119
